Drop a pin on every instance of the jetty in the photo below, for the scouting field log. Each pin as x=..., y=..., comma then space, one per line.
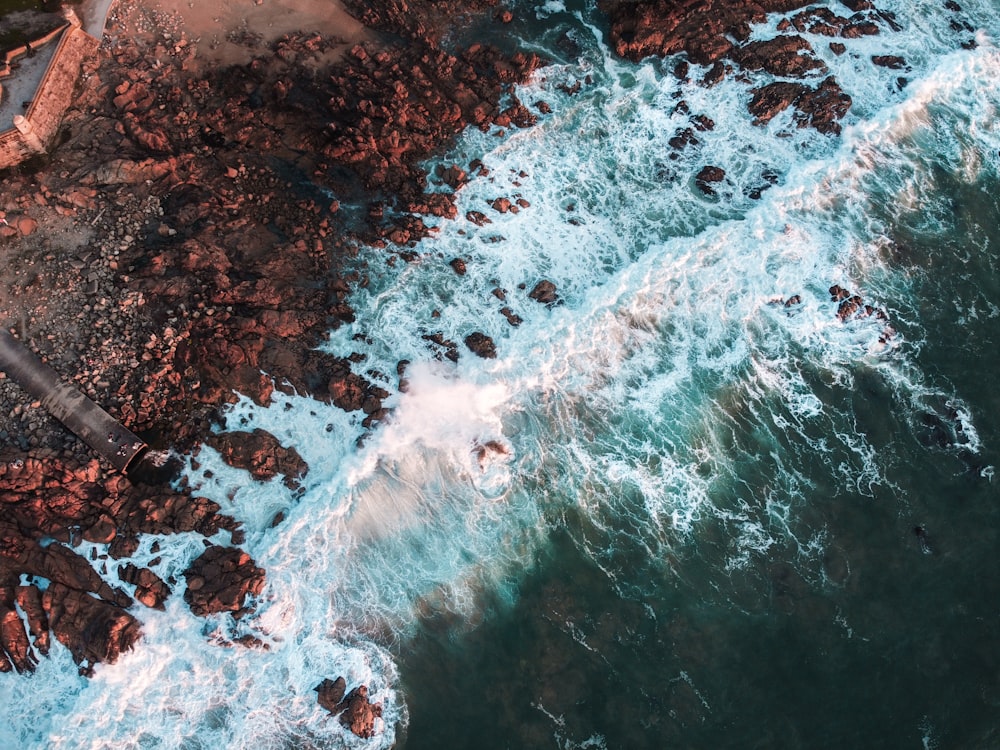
x=103, y=433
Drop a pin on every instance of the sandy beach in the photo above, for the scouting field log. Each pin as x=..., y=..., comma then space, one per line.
x=228, y=33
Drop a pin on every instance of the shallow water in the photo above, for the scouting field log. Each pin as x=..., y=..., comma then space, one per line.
x=673, y=511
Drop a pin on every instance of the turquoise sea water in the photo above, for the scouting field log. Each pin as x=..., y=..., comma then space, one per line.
x=673, y=512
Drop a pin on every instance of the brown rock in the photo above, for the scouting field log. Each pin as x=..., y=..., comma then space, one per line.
x=26, y=226
x=501, y=205
x=893, y=62
x=544, y=292
x=331, y=693
x=701, y=28
x=708, y=176
x=93, y=630
x=224, y=578
x=150, y=589
x=15, y=641
x=259, y=453
x=29, y=599
x=357, y=713
x=481, y=345
x=789, y=56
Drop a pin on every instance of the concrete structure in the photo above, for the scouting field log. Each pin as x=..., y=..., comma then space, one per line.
x=83, y=417
x=43, y=74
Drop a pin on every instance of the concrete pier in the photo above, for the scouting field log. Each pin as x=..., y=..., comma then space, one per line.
x=83, y=417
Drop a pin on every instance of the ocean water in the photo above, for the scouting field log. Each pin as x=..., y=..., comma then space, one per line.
x=673, y=511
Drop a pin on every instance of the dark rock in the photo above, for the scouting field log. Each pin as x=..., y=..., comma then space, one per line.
x=92, y=629
x=481, y=345
x=512, y=318
x=150, y=589
x=501, y=205
x=893, y=62
x=458, y=265
x=820, y=108
x=789, y=56
x=701, y=28
x=445, y=347
x=331, y=693
x=683, y=138
x=770, y=100
x=359, y=714
x=708, y=176
x=221, y=580
x=544, y=292
x=259, y=453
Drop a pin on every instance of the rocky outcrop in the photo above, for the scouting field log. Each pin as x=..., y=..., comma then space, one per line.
x=700, y=28
x=356, y=712
x=821, y=107
x=709, y=176
x=545, y=292
x=259, y=453
x=215, y=267
x=66, y=502
x=789, y=56
x=709, y=32
x=150, y=589
x=222, y=580
x=92, y=629
x=389, y=109
x=481, y=345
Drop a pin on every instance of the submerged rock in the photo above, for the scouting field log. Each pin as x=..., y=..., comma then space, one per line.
x=708, y=176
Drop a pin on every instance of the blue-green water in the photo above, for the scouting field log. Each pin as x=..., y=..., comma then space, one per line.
x=673, y=511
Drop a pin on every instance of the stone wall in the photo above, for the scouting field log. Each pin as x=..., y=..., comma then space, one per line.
x=13, y=149
x=34, y=132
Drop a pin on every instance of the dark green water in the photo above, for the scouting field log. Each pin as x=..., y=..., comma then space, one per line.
x=875, y=644
x=847, y=629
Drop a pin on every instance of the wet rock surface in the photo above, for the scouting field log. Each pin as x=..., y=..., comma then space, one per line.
x=356, y=712
x=481, y=345
x=711, y=32
x=260, y=453
x=222, y=580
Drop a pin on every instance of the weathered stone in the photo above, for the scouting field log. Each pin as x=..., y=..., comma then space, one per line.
x=481, y=345
x=224, y=578
x=545, y=292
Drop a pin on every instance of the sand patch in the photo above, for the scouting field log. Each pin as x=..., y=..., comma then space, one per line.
x=225, y=28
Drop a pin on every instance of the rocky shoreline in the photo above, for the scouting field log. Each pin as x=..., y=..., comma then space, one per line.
x=195, y=236
x=176, y=246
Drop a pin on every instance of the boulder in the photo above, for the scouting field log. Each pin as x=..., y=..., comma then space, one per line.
x=545, y=292
x=357, y=713
x=708, y=176
x=150, y=589
x=221, y=580
x=789, y=56
x=481, y=345
x=259, y=453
